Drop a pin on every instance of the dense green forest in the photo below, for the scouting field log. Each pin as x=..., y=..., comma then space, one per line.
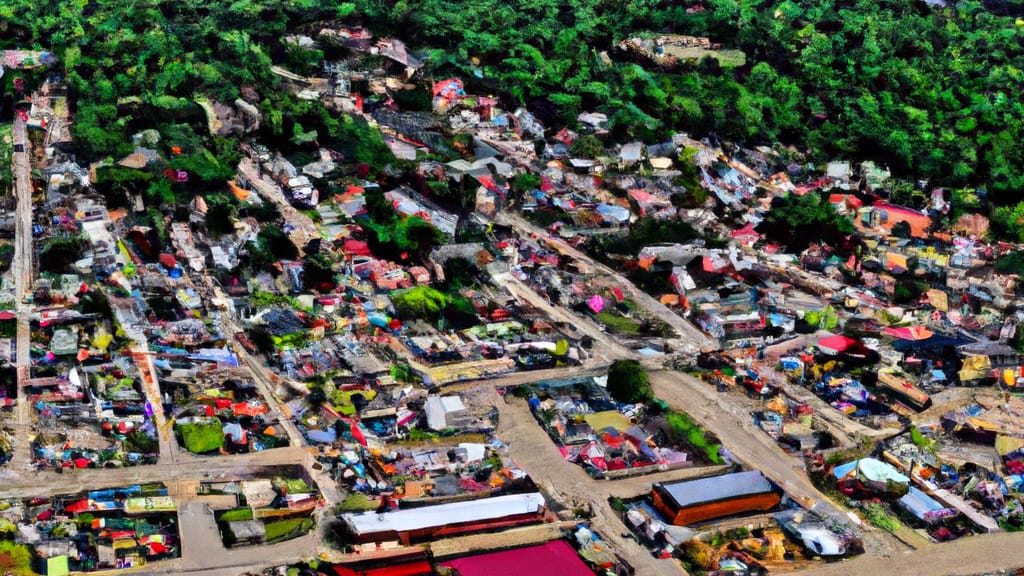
x=134, y=65
x=931, y=91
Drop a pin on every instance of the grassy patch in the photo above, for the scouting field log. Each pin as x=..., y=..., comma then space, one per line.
x=290, y=528
x=236, y=515
x=357, y=502
x=296, y=486
x=880, y=518
x=342, y=399
x=201, y=437
x=685, y=430
x=619, y=324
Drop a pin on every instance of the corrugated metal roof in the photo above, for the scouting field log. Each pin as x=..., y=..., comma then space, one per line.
x=445, y=514
x=715, y=488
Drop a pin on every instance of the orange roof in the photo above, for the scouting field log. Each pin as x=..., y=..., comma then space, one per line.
x=919, y=223
x=239, y=192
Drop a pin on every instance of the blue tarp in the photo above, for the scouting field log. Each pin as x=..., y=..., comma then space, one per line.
x=613, y=212
x=322, y=436
x=936, y=342
x=923, y=506
x=871, y=469
x=790, y=363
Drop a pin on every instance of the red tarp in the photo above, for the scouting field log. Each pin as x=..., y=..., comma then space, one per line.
x=168, y=261
x=555, y=557
x=487, y=182
x=618, y=293
x=7, y=315
x=838, y=343
x=745, y=232
x=448, y=89
x=248, y=409
x=357, y=434
x=356, y=247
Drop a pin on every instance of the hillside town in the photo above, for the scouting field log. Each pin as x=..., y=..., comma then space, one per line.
x=493, y=347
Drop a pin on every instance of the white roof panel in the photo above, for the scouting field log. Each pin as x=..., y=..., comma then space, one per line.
x=365, y=523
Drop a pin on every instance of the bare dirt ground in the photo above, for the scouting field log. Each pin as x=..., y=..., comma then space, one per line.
x=729, y=418
x=973, y=555
x=532, y=450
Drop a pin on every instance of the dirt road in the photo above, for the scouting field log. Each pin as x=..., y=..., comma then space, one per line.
x=975, y=555
x=729, y=418
x=690, y=338
x=29, y=484
x=533, y=451
x=604, y=345
x=22, y=270
x=302, y=229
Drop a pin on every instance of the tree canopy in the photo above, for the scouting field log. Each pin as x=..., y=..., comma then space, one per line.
x=627, y=382
x=798, y=221
x=927, y=90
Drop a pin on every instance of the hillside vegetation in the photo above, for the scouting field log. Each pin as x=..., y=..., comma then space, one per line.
x=928, y=90
x=932, y=91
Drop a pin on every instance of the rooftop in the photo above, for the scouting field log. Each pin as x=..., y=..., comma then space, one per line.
x=694, y=492
x=555, y=557
x=445, y=514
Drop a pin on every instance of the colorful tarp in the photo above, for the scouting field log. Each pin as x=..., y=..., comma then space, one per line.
x=909, y=332
x=870, y=469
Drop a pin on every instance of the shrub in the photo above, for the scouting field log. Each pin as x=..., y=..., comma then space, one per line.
x=15, y=558
x=288, y=528
x=627, y=382
x=139, y=441
x=879, y=518
x=201, y=437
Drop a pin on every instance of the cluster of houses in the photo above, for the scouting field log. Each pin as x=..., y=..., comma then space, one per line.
x=261, y=511
x=161, y=320
x=224, y=400
x=86, y=385
x=606, y=438
x=101, y=530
